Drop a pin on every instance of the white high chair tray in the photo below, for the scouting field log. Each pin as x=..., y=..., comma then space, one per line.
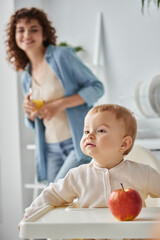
x=88, y=223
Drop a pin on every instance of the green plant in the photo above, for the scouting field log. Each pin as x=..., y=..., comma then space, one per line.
x=77, y=49
x=156, y=2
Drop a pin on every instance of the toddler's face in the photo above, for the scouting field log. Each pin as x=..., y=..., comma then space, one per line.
x=102, y=137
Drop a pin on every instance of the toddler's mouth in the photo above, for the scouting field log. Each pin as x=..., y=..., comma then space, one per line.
x=90, y=145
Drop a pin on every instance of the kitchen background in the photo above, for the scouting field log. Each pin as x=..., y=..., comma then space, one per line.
x=121, y=45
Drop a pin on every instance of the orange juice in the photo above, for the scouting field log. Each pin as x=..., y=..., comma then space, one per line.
x=39, y=103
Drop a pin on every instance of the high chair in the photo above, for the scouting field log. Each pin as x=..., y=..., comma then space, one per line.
x=142, y=155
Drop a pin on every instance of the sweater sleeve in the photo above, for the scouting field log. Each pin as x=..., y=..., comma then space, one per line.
x=56, y=194
x=153, y=181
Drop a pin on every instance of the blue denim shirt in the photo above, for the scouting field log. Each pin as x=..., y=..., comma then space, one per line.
x=76, y=78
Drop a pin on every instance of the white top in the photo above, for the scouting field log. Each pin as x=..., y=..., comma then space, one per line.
x=52, y=89
x=92, y=185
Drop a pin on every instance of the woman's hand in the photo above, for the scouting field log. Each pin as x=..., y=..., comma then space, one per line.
x=21, y=222
x=50, y=109
x=29, y=107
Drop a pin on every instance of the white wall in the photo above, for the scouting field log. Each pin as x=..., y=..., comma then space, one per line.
x=10, y=162
x=131, y=39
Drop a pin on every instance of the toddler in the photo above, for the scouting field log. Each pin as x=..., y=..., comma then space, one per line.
x=109, y=134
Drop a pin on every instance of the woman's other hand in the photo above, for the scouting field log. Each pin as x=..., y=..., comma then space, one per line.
x=50, y=109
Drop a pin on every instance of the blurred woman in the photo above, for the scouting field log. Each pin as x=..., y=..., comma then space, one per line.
x=66, y=88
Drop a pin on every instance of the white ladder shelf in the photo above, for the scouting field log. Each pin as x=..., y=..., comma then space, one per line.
x=35, y=186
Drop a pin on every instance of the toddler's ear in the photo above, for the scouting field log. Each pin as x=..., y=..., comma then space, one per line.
x=126, y=143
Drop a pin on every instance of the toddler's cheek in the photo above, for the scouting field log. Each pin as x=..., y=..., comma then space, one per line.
x=82, y=145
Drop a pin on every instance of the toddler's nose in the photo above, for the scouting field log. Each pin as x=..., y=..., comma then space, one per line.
x=91, y=135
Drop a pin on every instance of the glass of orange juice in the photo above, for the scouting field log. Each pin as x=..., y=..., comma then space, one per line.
x=39, y=103
x=37, y=97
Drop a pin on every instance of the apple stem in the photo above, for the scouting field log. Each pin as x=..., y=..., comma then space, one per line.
x=122, y=187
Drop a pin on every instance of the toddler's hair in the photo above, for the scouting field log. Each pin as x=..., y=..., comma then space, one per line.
x=125, y=116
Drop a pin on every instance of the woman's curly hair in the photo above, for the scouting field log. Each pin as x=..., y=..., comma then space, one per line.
x=15, y=55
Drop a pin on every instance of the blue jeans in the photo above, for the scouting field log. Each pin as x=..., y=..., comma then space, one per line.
x=61, y=158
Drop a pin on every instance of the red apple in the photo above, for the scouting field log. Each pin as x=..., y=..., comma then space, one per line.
x=125, y=204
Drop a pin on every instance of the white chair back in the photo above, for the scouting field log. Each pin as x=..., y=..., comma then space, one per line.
x=142, y=155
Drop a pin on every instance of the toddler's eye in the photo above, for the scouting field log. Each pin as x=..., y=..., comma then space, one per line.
x=86, y=132
x=100, y=130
